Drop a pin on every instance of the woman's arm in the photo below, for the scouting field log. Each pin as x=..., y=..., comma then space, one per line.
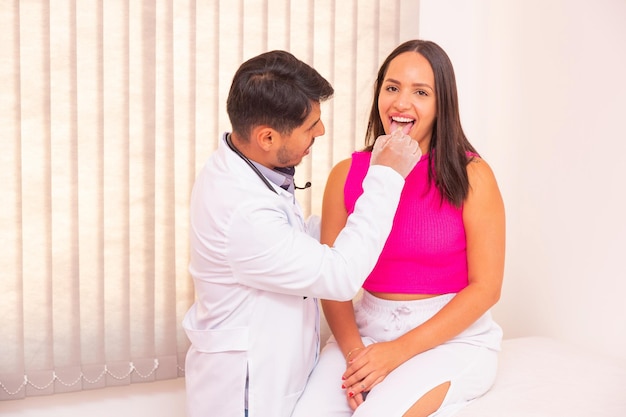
x=484, y=221
x=339, y=315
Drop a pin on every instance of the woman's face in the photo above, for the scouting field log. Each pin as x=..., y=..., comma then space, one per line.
x=407, y=98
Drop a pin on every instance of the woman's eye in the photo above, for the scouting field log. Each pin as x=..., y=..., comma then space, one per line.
x=391, y=88
x=421, y=93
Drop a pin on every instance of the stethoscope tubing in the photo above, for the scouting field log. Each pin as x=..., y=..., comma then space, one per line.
x=250, y=164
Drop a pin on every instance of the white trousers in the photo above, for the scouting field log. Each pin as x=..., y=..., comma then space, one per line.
x=468, y=362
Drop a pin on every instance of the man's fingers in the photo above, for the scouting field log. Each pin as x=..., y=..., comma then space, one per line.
x=381, y=141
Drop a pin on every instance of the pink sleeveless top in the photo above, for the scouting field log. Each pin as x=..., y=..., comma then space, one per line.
x=426, y=249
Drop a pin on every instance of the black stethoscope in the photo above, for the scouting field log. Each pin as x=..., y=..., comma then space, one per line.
x=230, y=144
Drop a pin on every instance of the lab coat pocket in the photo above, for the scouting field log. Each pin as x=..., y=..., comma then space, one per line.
x=219, y=340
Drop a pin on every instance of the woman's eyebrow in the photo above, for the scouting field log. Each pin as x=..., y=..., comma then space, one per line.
x=391, y=80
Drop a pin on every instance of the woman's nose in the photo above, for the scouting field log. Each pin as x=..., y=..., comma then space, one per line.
x=401, y=102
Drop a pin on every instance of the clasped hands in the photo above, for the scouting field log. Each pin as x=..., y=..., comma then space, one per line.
x=366, y=367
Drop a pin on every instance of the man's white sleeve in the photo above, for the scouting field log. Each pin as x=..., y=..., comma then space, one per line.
x=270, y=254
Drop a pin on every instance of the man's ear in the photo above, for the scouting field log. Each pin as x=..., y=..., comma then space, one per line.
x=265, y=137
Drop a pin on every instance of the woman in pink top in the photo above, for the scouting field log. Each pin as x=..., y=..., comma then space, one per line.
x=421, y=340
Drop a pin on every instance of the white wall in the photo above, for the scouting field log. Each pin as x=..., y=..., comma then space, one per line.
x=543, y=88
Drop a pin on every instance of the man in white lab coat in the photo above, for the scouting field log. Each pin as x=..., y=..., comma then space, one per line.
x=257, y=265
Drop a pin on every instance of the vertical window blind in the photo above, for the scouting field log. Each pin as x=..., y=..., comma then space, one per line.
x=108, y=109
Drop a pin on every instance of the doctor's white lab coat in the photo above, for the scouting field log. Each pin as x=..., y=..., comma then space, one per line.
x=258, y=268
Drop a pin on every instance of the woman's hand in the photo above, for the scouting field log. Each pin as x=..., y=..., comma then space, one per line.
x=355, y=401
x=369, y=366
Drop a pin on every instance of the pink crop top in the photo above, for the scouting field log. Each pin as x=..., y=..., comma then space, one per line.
x=426, y=249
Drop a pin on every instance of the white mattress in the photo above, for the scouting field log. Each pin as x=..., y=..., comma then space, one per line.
x=541, y=377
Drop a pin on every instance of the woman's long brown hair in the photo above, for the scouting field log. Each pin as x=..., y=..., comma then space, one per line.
x=449, y=147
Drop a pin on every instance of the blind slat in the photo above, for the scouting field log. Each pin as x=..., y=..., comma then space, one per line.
x=112, y=108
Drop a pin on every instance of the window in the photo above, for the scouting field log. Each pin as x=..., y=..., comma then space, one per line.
x=108, y=111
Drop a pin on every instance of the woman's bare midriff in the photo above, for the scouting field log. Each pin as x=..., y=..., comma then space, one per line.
x=401, y=297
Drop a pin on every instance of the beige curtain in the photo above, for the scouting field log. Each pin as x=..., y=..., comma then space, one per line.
x=107, y=111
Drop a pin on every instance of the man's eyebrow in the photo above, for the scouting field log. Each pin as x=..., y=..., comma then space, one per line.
x=314, y=123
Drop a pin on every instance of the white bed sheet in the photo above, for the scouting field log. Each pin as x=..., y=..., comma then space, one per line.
x=541, y=377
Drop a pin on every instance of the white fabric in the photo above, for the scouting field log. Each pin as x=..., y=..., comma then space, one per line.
x=252, y=261
x=468, y=361
x=541, y=377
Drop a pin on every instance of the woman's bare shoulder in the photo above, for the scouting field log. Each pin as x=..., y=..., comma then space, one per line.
x=339, y=172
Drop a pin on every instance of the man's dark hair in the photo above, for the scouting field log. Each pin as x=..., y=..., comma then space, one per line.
x=274, y=89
